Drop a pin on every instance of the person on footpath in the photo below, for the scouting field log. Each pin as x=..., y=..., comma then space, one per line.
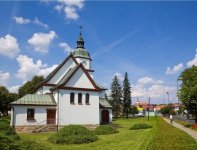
x=171, y=118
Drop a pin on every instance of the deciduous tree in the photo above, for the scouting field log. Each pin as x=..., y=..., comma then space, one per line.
x=29, y=86
x=188, y=90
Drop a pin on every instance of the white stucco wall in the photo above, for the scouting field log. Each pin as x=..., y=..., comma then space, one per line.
x=79, y=79
x=20, y=115
x=88, y=62
x=64, y=69
x=43, y=90
x=76, y=113
x=110, y=115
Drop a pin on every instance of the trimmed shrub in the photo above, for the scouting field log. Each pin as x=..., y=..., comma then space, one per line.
x=7, y=143
x=140, y=126
x=187, y=125
x=33, y=145
x=105, y=129
x=73, y=134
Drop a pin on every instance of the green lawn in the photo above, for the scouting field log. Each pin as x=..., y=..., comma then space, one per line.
x=162, y=136
x=167, y=137
x=125, y=139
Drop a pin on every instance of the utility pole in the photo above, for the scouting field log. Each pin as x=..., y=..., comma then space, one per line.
x=168, y=97
x=148, y=107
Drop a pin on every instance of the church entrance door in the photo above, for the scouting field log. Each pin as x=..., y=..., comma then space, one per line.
x=51, y=113
x=105, y=116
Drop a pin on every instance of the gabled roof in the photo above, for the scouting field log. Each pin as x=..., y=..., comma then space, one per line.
x=35, y=99
x=69, y=75
x=59, y=67
x=103, y=103
x=54, y=72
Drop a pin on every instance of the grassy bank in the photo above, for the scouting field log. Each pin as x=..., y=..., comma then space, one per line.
x=125, y=139
x=162, y=136
x=167, y=137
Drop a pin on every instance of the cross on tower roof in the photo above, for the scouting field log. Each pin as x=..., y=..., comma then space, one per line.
x=80, y=41
x=80, y=28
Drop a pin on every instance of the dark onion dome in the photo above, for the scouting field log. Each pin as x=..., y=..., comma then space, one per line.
x=80, y=51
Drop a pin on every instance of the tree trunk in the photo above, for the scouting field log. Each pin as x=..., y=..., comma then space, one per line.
x=195, y=118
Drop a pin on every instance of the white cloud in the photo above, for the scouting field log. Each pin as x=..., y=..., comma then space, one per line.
x=21, y=20
x=29, y=68
x=77, y=3
x=9, y=46
x=41, y=41
x=193, y=61
x=38, y=22
x=45, y=71
x=71, y=8
x=14, y=89
x=148, y=80
x=155, y=89
x=138, y=91
x=58, y=7
x=175, y=69
x=119, y=75
x=4, y=78
x=71, y=13
x=158, y=91
x=66, y=47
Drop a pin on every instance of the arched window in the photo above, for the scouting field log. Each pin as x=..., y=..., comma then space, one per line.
x=72, y=98
x=87, y=98
x=79, y=98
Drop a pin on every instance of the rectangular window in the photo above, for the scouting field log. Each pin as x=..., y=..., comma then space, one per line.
x=30, y=114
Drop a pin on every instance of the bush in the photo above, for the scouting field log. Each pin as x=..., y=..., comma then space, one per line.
x=187, y=125
x=33, y=145
x=73, y=134
x=140, y=126
x=7, y=143
x=105, y=129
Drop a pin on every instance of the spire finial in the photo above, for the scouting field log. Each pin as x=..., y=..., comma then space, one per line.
x=80, y=41
x=80, y=28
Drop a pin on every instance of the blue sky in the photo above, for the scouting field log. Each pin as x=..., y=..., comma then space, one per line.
x=152, y=41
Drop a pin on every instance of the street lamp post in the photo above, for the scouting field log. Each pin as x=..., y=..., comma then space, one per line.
x=178, y=92
x=148, y=107
x=168, y=97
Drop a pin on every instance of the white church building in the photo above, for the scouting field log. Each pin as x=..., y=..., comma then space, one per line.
x=68, y=95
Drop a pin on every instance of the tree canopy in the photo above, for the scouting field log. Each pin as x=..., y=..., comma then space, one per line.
x=126, y=95
x=5, y=98
x=116, y=95
x=29, y=86
x=134, y=110
x=188, y=90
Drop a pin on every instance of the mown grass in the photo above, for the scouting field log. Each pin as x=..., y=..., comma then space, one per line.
x=167, y=137
x=125, y=139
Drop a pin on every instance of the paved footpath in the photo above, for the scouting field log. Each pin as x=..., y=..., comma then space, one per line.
x=191, y=132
